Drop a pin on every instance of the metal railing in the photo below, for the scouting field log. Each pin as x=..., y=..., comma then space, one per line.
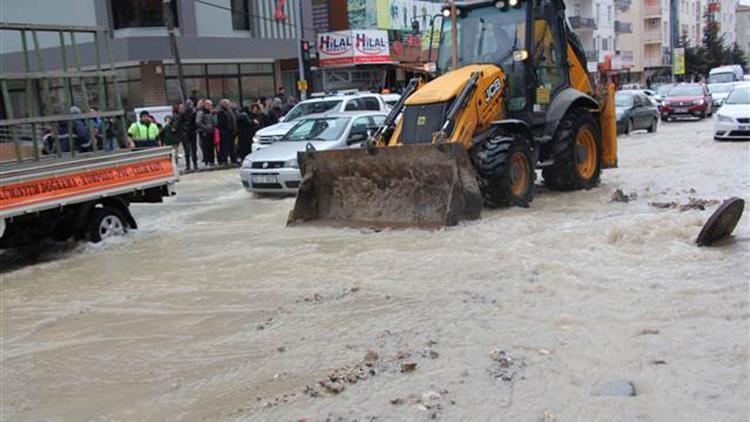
x=581, y=23
x=25, y=131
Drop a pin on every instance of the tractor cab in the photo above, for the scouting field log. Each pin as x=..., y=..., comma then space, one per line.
x=525, y=38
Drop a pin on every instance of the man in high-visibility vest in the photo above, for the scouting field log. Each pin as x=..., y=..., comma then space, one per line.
x=143, y=133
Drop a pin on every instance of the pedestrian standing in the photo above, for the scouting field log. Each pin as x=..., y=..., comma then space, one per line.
x=248, y=120
x=144, y=133
x=204, y=123
x=276, y=112
x=227, y=125
x=187, y=136
x=168, y=134
x=281, y=94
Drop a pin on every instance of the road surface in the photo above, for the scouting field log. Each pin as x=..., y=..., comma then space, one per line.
x=214, y=310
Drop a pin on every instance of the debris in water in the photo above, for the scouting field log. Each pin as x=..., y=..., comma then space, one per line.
x=663, y=205
x=620, y=196
x=281, y=349
x=397, y=400
x=506, y=368
x=722, y=222
x=659, y=362
x=619, y=388
x=649, y=330
x=408, y=366
x=548, y=416
x=371, y=358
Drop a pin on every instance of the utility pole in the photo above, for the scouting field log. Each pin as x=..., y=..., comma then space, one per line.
x=167, y=12
x=300, y=59
x=454, y=35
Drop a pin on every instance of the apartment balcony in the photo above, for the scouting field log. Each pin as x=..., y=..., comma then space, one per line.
x=652, y=9
x=578, y=23
x=652, y=36
x=661, y=59
x=623, y=27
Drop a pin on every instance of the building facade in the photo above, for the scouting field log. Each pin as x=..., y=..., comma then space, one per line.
x=236, y=49
x=743, y=28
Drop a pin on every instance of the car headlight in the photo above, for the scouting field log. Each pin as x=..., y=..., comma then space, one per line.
x=698, y=102
x=291, y=163
x=247, y=163
x=256, y=139
x=666, y=103
x=725, y=119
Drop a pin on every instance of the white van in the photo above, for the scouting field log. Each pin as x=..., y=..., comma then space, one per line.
x=724, y=74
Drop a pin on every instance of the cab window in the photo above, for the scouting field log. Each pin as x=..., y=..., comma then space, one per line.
x=547, y=59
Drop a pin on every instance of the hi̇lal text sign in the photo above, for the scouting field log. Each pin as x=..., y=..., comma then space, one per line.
x=56, y=187
x=355, y=46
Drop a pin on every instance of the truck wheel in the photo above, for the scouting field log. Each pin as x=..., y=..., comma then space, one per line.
x=506, y=172
x=576, y=153
x=104, y=223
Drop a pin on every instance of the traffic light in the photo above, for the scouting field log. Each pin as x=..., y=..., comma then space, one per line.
x=305, y=51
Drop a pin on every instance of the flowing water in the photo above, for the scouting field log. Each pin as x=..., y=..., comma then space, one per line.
x=213, y=309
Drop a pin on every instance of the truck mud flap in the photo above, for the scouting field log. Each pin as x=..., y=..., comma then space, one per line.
x=424, y=186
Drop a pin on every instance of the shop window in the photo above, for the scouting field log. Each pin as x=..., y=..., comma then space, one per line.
x=254, y=87
x=222, y=69
x=256, y=68
x=194, y=88
x=139, y=13
x=187, y=70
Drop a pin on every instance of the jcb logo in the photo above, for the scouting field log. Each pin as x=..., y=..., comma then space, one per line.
x=492, y=90
x=421, y=120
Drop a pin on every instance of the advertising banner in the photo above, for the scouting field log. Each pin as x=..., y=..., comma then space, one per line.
x=399, y=14
x=353, y=46
x=679, y=61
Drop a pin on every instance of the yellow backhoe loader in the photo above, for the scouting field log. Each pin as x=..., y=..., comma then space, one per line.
x=513, y=96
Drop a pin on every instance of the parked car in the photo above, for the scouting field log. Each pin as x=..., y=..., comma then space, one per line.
x=274, y=169
x=635, y=111
x=722, y=74
x=391, y=99
x=719, y=92
x=687, y=100
x=336, y=103
x=733, y=118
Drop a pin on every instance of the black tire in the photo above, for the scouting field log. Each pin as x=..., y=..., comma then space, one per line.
x=105, y=222
x=664, y=118
x=563, y=174
x=505, y=163
x=654, y=124
x=628, y=126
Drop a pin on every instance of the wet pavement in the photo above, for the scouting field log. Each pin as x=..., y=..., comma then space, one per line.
x=577, y=308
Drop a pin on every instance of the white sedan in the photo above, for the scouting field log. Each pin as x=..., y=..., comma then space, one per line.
x=733, y=118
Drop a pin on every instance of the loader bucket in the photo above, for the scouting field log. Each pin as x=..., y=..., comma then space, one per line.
x=425, y=186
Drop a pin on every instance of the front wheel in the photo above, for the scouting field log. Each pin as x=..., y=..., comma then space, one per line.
x=654, y=124
x=576, y=153
x=105, y=222
x=505, y=166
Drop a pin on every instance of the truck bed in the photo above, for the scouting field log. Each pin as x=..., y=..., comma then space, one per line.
x=55, y=182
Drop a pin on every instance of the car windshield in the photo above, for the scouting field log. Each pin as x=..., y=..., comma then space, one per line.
x=688, y=90
x=663, y=89
x=718, y=78
x=325, y=129
x=312, y=107
x=739, y=96
x=623, y=100
x=719, y=88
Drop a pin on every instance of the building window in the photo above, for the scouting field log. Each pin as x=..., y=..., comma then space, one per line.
x=139, y=13
x=239, y=83
x=240, y=15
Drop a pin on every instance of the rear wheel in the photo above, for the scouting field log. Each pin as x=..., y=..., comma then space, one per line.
x=506, y=172
x=576, y=153
x=105, y=222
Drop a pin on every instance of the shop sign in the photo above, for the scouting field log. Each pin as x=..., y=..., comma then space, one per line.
x=353, y=46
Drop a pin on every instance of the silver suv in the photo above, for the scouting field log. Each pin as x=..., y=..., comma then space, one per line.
x=361, y=101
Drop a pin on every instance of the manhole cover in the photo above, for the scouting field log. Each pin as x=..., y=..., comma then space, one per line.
x=722, y=222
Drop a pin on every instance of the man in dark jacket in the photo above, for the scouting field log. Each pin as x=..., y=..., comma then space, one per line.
x=227, y=125
x=204, y=122
x=248, y=120
x=186, y=135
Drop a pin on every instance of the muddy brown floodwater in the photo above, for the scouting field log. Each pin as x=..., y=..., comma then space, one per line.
x=214, y=310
